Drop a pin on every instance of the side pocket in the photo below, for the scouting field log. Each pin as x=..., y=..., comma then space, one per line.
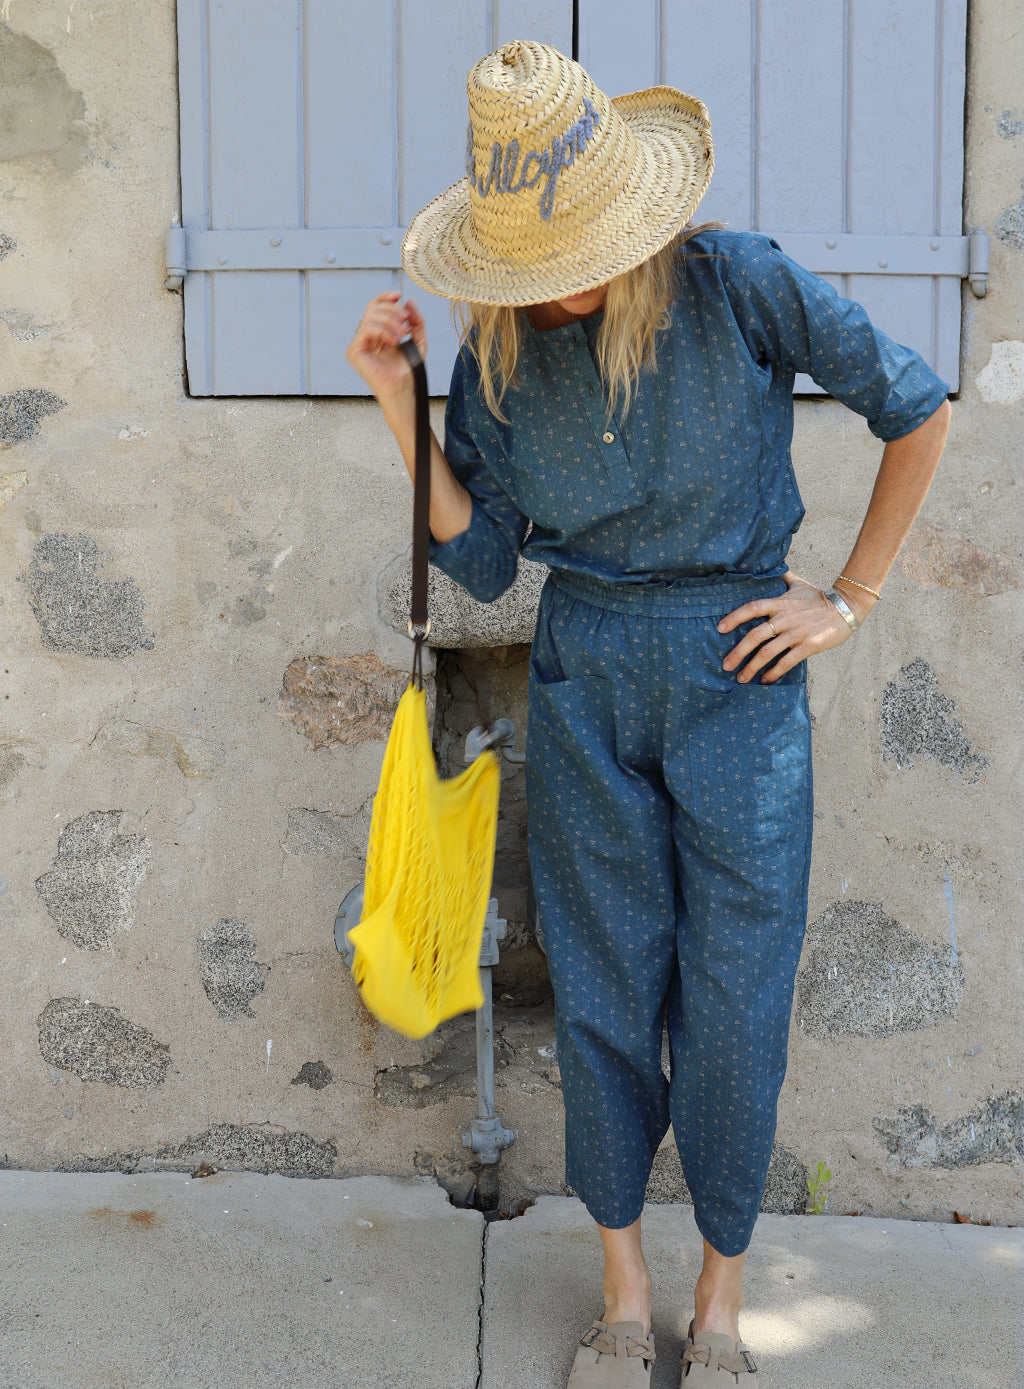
x=750, y=759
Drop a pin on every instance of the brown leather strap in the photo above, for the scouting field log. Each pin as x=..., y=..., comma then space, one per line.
x=601, y=1339
x=741, y=1363
x=419, y=616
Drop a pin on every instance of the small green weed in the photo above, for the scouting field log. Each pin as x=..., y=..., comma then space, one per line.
x=816, y=1186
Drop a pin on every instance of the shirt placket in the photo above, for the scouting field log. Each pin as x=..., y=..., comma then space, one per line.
x=607, y=436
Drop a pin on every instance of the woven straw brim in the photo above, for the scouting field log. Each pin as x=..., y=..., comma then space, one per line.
x=442, y=253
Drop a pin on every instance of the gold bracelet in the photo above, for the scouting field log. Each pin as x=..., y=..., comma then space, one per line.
x=858, y=585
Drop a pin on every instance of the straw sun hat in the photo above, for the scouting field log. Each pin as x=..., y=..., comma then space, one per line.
x=565, y=188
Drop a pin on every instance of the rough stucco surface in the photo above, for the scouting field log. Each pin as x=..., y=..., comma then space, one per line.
x=230, y=975
x=90, y=891
x=919, y=720
x=97, y=1043
x=992, y=1132
x=76, y=608
x=21, y=412
x=866, y=975
x=196, y=608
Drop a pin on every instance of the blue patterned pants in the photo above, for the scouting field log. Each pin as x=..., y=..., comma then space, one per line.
x=670, y=832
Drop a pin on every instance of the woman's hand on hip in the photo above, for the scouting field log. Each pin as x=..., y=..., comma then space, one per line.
x=374, y=351
x=799, y=623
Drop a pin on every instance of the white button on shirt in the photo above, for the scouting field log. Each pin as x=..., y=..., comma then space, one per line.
x=609, y=437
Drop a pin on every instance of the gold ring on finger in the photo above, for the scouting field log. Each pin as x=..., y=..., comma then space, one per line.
x=771, y=624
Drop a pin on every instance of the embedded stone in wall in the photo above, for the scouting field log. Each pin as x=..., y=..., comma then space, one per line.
x=991, y=1132
x=10, y=485
x=22, y=326
x=199, y=757
x=256, y=1148
x=7, y=245
x=1009, y=225
x=449, y=1072
x=866, y=975
x=95, y=1042
x=341, y=700
x=323, y=832
x=948, y=559
x=230, y=974
x=785, y=1191
x=90, y=891
x=315, y=1074
x=21, y=412
x=76, y=609
x=125, y=1163
x=456, y=619
x=11, y=763
x=1008, y=126
x=918, y=720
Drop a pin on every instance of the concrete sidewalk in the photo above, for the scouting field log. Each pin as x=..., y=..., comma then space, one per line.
x=139, y=1282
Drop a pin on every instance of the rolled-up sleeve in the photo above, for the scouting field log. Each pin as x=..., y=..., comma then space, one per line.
x=795, y=318
x=484, y=557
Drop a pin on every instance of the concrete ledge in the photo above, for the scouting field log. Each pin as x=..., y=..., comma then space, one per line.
x=235, y=1281
x=457, y=620
x=830, y=1301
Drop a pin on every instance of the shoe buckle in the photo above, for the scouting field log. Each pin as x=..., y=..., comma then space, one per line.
x=748, y=1360
x=590, y=1336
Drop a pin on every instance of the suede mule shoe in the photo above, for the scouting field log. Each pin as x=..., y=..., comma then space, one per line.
x=713, y=1360
x=615, y=1355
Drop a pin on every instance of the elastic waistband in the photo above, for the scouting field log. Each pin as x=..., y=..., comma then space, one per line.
x=652, y=599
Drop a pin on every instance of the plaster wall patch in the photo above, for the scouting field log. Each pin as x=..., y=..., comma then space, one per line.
x=194, y=757
x=322, y=832
x=10, y=485
x=933, y=556
x=1002, y=381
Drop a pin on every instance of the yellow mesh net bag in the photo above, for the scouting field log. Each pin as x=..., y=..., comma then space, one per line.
x=428, y=875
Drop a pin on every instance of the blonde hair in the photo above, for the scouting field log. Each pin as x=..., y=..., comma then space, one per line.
x=635, y=312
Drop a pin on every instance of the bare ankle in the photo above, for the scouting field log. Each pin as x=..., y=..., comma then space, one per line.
x=627, y=1297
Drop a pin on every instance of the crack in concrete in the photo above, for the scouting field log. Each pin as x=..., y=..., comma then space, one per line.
x=480, y=1305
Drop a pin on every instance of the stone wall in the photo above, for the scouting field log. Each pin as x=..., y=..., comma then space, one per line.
x=197, y=678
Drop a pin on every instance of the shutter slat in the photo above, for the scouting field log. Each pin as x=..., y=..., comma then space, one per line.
x=707, y=46
x=350, y=114
x=800, y=51
x=828, y=117
x=540, y=20
x=620, y=57
x=255, y=135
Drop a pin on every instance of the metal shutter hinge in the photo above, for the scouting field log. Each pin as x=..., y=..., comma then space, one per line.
x=174, y=256
x=977, y=263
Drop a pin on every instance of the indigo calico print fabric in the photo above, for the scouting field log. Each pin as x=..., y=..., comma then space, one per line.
x=669, y=805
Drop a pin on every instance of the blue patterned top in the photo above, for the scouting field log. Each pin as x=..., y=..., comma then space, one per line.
x=696, y=483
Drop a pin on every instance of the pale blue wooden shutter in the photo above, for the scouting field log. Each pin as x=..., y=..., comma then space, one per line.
x=311, y=131
x=838, y=128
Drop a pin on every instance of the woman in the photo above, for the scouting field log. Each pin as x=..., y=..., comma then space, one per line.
x=622, y=410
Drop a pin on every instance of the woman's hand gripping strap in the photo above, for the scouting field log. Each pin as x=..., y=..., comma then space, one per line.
x=419, y=618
